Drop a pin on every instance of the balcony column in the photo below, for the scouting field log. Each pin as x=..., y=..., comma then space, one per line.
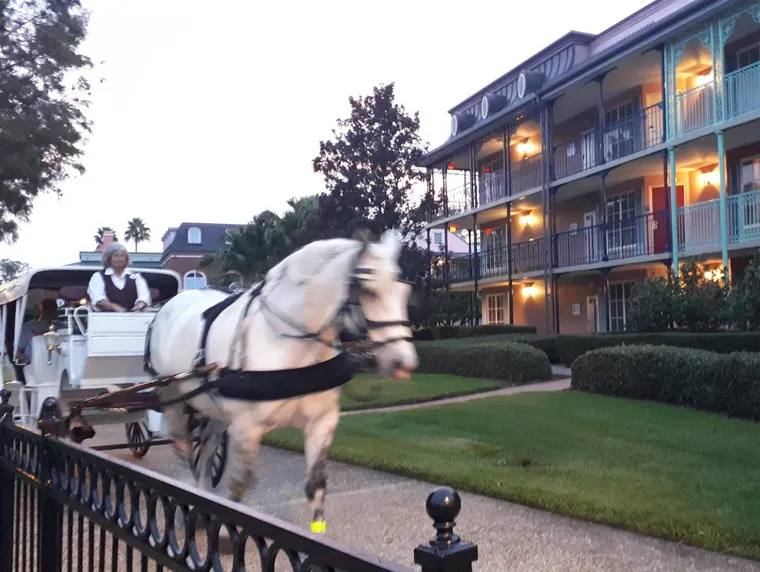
x=546, y=220
x=603, y=214
x=476, y=268
x=600, y=128
x=723, y=203
x=473, y=177
x=470, y=275
x=510, y=290
x=664, y=93
x=556, y=303
x=444, y=189
x=505, y=137
x=446, y=270
x=429, y=284
x=606, y=298
x=673, y=209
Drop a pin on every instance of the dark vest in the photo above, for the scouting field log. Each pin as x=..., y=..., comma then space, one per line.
x=125, y=298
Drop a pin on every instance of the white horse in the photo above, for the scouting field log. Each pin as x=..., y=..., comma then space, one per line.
x=291, y=320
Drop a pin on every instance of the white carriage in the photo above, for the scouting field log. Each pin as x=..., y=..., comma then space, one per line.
x=90, y=353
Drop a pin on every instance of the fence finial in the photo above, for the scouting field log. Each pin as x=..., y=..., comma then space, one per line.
x=49, y=420
x=6, y=408
x=446, y=552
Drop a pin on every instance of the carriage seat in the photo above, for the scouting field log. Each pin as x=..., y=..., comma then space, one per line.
x=38, y=372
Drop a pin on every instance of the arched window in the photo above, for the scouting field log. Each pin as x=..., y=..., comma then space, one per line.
x=194, y=280
x=193, y=235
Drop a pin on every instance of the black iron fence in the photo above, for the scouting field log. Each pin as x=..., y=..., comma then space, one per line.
x=66, y=508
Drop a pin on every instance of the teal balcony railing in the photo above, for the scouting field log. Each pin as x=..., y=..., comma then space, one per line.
x=742, y=91
x=744, y=217
x=699, y=226
x=528, y=256
x=694, y=109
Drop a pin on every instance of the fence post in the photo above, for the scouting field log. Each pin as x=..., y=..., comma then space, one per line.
x=446, y=552
x=7, y=485
x=50, y=515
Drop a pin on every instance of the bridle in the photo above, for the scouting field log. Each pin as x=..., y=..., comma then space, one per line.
x=349, y=320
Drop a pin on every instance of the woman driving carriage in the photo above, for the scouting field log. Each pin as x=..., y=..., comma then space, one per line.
x=116, y=289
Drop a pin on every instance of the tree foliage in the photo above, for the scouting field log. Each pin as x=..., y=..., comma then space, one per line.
x=369, y=167
x=692, y=302
x=744, y=301
x=12, y=269
x=42, y=121
x=137, y=231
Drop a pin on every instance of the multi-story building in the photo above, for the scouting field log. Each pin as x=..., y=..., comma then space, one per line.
x=604, y=159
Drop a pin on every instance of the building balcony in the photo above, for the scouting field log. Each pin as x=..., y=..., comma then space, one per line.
x=527, y=257
x=741, y=91
x=699, y=225
x=636, y=133
x=694, y=109
x=634, y=237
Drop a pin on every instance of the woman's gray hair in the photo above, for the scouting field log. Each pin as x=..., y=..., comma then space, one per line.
x=112, y=249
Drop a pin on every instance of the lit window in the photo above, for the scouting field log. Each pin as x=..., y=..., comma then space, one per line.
x=194, y=235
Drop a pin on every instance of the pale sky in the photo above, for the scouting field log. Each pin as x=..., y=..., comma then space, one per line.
x=213, y=112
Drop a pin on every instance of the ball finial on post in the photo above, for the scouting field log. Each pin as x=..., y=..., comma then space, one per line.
x=6, y=408
x=446, y=552
x=49, y=420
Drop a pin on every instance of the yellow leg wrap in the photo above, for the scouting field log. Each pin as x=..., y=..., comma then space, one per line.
x=318, y=526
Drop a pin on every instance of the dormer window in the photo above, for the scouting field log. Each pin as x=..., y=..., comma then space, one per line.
x=194, y=235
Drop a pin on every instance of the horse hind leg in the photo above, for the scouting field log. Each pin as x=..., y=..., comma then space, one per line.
x=177, y=419
x=244, y=439
x=318, y=437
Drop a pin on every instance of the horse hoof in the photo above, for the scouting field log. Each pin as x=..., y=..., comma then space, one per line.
x=318, y=526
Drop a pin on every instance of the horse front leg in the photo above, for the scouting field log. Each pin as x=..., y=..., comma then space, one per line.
x=318, y=436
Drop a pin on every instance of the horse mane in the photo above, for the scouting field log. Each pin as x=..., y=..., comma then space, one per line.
x=306, y=262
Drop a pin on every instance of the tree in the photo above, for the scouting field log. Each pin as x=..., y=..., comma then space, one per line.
x=12, y=269
x=744, y=300
x=100, y=234
x=701, y=301
x=654, y=306
x=42, y=124
x=137, y=231
x=369, y=167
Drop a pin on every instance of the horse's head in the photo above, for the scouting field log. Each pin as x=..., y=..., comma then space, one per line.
x=378, y=306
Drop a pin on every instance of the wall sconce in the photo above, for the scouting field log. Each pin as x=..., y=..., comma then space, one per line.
x=489, y=231
x=526, y=218
x=524, y=148
x=452, y=228
x=529, y=290
x=451, y=166
x=708, y=177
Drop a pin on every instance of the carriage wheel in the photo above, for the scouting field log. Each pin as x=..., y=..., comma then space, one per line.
x=138, y=438
x=200, y=432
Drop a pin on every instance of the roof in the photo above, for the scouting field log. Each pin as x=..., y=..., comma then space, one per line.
x=647, y=27
x=212, y=235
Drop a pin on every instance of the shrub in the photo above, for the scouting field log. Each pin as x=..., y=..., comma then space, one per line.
x=506, y=361
x=699, y=379
x=653, y=306
x=449, y=332
x=744, y=300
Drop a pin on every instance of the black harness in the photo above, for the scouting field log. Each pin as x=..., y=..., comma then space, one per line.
x=238, y=383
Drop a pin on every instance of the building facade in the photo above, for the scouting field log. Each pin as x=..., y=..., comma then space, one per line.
x=605, y=159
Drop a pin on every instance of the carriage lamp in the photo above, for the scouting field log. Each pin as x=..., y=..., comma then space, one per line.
x=52, y=342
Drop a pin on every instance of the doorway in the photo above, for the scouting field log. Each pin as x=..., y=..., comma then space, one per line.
x=592, y=314
x=660, y=212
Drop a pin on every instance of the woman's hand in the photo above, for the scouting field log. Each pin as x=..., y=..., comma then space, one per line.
x=140, y=306
x=117, y=308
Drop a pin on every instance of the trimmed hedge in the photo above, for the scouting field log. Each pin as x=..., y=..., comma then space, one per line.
x=451, y=332
x=565, y=348
x=505, y=361
x=723, y=383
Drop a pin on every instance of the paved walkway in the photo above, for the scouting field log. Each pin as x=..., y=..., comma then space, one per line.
x=384, y=514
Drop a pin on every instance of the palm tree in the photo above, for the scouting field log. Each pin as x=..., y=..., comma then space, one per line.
x=137, y=231
x=101, y=232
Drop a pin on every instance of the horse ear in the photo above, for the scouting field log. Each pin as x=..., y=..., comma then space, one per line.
x=363, y=235
x=390, y=240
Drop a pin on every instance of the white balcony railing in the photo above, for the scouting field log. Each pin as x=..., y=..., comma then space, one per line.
x=699, y=224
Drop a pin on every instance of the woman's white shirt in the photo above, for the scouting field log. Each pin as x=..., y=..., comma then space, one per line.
x=97, y=287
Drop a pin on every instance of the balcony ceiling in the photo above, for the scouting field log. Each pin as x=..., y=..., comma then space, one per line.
x=636, y=70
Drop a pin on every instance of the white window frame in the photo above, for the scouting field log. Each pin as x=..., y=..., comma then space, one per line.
x=616, y=236
x=750, y=206
x=194, y=275
x=496, y=306
x=619, y=138
x=438, y=237
x=192, y=232
x=744, y=51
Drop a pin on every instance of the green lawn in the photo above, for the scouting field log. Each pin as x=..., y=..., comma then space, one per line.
x=660, y=470
x=367, y=391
